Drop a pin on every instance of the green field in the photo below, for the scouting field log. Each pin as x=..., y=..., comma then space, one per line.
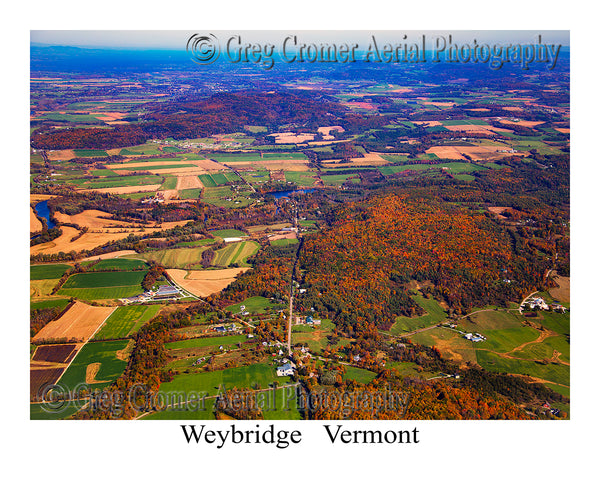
x=190, y=193
x=218, y=196
x=174, y=257
x=255, y=128
x=157, y=167
x=206, y=342
x=229, y=233
x=145, y=149
x=172, y=149
x=335, y=180
x=170, y=183
x=207, y=180
x=452, y=167
x=102, y=293
x=37, y=412
x=120, y=181
x=119, y=264
x=491, y=319
x=235, y=253
x=252, y=376
x=104, y=279
x=551, y=372
x=97, y=352
x=505, y=340
x=435, y=314
x=359, y=375
x=283, y=242
x=256, y=157
x=302, y=179
x=59, y=302
x=254, y=305
x=126, y=320
x=90, y=153
x=44, y=272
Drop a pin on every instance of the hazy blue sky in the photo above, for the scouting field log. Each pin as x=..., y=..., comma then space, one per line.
x=176, y=39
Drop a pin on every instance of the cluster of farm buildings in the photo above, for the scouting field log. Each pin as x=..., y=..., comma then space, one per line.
x=538, y=303
x=164, y=292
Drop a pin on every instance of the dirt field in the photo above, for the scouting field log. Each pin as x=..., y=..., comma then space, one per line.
x=204, y=282
x=188, y=181
x=34, y=224
x=563, y=292
x=61, y=155
x=563, y=130
x=79, y=322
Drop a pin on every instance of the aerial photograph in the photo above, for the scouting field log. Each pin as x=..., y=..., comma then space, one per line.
x=304, y=225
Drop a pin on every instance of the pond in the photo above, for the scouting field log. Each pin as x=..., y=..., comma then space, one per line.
x=287, y=193
x=43, y=211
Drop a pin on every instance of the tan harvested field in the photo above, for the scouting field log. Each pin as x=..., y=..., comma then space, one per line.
x=428, y=123
x=62, y=155
x=281, y=236
x=79, y=322
x=204, y=282
x=87, y=241
x=484, y=129
x=446, y=152
x=369, y=159
x=522, y=123
x=141, y=165
x=207, y=165
x=563, y=130
x=39, y=197
x=34, y=223
x=93, y=219
x=117, y=122
x=90, y=373
x=513, y=109
x=188, y=181
x=110, y=116
x=563, y=292
x=440, y=104
x=478, y=109
x=123, y=190
x=479, y=153
x=105, y=256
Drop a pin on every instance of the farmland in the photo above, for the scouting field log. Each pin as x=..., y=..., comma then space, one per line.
x=104, y=353
x=426, y=204
x=126, y=320
x=79, y=322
